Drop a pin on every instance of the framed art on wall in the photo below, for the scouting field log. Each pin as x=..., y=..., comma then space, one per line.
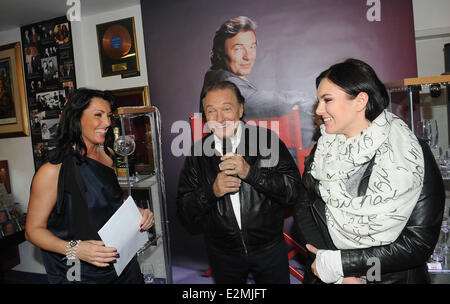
x=49, y=79
x=4, y=175
x=13, y=107
x=117, y=48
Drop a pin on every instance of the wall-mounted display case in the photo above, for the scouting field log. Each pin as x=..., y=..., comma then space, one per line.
x=138, y=147
x=424, y=104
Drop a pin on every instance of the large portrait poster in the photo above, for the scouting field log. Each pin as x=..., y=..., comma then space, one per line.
x=295, y=41
x=50, y=79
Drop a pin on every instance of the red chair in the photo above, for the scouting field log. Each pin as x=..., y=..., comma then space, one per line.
x=288, y=130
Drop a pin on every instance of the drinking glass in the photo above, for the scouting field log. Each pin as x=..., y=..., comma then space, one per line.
x=428, y=130
x=437, y=151
x=445, y=248
x=438, y=253
x=124, y=145
x=424, y=131
x=149, y=273
x=445, y=164
x=444, y=229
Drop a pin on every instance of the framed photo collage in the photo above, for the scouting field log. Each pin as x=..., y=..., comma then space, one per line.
x=49, y=78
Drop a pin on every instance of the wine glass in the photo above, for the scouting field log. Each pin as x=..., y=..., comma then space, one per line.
x=428, y=130
x=445, y=248
x=149, y=273
x=124, y=145
x=435, y=148
x=444, y=229
x=424, y=131
x=434, y=133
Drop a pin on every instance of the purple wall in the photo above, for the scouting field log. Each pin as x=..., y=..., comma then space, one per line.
x=297, y=40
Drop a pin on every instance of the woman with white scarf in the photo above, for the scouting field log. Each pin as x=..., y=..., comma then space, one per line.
x=376, y=196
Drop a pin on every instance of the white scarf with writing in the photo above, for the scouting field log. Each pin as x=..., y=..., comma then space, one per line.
x=378, y=217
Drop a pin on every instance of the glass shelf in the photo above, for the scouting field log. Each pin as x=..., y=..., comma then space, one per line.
x=147, y=186
x=137, y=181
x=153, y=241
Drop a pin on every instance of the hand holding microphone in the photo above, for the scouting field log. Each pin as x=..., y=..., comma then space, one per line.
x=232, y=169
x=232, y=164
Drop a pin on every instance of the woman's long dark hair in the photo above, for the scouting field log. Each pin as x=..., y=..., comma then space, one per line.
x=69, y=130
x=355, y=76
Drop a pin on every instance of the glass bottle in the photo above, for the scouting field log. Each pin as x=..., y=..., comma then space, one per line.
x=121, y=167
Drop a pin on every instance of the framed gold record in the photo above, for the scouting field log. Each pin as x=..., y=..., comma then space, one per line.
x=117, y=48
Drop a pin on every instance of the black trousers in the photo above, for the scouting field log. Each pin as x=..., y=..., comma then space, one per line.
x=269, y=266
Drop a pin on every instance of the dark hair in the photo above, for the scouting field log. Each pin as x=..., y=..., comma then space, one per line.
x=222, y=85
x=228, y=29
x=355, y=76
x=69, y=129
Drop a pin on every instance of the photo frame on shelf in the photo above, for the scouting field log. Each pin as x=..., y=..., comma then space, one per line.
x=4, y=175
x=13, y=105
x=136, y=97
x=132, y=97
x=10, y=227
x=117, y=48
x=3, y=215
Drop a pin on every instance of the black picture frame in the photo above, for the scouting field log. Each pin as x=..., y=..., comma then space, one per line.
x=50, y=79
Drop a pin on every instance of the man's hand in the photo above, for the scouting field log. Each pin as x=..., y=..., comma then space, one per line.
x=225, y=183
x=234, y=164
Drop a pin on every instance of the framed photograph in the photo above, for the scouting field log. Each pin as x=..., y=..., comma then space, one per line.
x=3, y=216
x=13, y=106
x=4, y=175
x=10, y=227
x=136, y=97
x=132, y=97
x=117, y=48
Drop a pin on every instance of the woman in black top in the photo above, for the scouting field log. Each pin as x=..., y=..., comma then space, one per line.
x=76, y=192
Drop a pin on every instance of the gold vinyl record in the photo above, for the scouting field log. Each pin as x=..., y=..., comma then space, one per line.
x=116, y=42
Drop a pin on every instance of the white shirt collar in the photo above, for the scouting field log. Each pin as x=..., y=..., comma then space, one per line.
x=235, y=140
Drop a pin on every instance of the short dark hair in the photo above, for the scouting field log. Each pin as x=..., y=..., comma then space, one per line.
x=228, y=29
x=355, y=76
x=69, y=129
x=222, y=85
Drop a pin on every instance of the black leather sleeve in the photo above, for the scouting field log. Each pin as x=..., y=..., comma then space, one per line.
x=281, y=183
x=417, y=240
x=193, y=198
x=308, y=226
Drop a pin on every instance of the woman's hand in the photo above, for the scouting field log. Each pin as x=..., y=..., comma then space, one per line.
x=95, y=253
x=346, y=280
x=313, y=250
x=147, y=220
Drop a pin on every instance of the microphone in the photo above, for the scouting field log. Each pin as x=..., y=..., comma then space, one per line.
x=227, y=146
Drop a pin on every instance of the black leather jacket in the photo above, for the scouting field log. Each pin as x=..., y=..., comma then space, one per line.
x=404, y=260
x=264, y=194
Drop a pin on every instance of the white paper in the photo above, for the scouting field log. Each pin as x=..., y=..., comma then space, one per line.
x=122, y=232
